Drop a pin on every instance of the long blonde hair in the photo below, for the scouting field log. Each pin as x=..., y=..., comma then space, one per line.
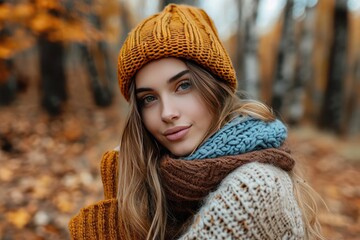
x=141, y=201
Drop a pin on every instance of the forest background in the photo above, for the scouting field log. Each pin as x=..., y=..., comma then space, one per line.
x=60, y=107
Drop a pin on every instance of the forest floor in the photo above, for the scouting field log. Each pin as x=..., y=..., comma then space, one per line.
x=49, y=166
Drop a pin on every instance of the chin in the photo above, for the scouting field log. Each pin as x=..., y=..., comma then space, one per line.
x=182, y=149
x=181, y=152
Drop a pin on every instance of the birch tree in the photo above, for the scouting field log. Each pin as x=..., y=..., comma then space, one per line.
x=189, y=2
x=285, y=69
x=239, y=56
x=247, y=53
x=124, y=22
x=304, y=66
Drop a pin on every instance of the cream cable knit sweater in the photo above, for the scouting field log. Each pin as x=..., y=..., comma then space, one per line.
x=255, y=201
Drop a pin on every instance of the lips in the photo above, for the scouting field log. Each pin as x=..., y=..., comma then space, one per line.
x=176, y=133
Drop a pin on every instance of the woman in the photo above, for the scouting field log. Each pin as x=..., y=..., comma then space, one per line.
x=195, y=161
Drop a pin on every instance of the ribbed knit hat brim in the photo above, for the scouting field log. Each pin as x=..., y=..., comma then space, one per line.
x=178, y=31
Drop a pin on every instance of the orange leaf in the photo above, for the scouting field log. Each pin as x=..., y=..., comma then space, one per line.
x=6, y=175
x=64, y=202
x=19, y=218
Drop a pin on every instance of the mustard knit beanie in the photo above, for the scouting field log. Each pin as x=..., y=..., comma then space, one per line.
x=178, y=31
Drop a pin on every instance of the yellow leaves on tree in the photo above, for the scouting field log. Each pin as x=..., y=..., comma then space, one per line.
x=16, y=13
x=58, y=29
x=23, y=11
x=44, y=22
x=75, y=31
x=65, y=26
x=18, y=41
x=13, y=16
x=7, y=48
x=49, y=4
x=4, y=12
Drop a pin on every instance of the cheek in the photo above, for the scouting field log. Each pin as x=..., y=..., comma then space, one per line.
x=203, y=114
x=150, y=121
x=198, y=108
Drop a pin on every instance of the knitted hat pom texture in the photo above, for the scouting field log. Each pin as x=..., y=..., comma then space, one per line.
x=179, y=31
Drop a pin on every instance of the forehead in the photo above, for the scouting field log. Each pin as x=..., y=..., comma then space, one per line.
x=159, y=70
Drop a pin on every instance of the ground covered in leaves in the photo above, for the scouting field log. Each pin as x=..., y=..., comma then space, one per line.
x=49, y=166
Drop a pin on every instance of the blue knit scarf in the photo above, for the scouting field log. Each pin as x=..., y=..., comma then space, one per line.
x=241, y=135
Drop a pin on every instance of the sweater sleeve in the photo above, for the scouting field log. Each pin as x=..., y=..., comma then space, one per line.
x=97, y=221
x=109, y=173
x=256, y=201
x=101, y=220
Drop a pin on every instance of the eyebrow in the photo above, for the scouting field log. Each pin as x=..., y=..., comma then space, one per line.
x=172, y=79
x=179, y=75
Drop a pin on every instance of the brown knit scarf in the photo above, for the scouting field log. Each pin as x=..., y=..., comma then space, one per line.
x=186, y=183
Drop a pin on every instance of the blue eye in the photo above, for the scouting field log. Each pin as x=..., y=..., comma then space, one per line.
x=148, y=99
x=184, y=85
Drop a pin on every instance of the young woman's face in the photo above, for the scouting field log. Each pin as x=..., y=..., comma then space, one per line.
x=171, y=108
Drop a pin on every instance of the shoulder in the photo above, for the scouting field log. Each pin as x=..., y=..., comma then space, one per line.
x=260, y=186
x=259, y=175
x=255, y=201
x=265, y=187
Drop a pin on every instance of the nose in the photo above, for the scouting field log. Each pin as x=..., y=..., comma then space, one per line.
x=169, y=111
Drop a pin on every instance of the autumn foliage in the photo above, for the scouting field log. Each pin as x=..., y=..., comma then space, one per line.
x=22, y=22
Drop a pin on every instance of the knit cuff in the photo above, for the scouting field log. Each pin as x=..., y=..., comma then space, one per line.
x=97, y=221
x=109, y=173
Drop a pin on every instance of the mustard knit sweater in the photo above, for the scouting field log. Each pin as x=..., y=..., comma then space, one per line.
x=255, y=201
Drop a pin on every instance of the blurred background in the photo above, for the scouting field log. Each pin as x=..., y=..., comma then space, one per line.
x=60, y=107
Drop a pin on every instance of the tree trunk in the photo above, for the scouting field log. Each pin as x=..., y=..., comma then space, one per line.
x=52, y=75
x=350, y=125
x=124, y=22
x=98, y=64
x=240, y=39
x=250, y=68
x=304, y=67
x=101, y=91
x=353, y=123
x=284, y=73
x=189, y=2
x=8, y=84
x=331, y=114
